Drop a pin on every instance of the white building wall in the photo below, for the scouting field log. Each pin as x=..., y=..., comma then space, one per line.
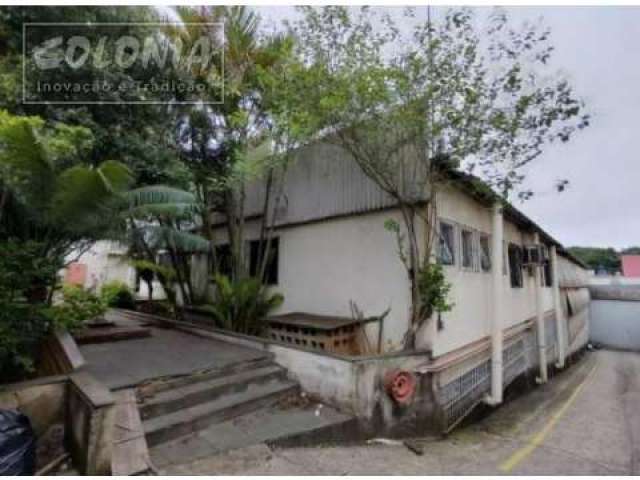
x=469, y=320
x=470, y=290
x=324, y=266
x=105, y=262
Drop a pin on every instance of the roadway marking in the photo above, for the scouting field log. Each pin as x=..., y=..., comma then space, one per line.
x=536, y=440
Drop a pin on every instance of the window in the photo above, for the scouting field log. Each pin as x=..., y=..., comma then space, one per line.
x=223, y=260
x=548, y=275
x=515, y=265
x=137, y=282
x=446, y=244
x=255, y=258
x=164, y=259
x=485, y=253
x=466, y=237
x=504, y=258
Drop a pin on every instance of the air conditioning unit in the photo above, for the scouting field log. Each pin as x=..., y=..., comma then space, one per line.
x=533, y=255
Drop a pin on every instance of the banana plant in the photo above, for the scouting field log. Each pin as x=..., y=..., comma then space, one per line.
x=161, y=220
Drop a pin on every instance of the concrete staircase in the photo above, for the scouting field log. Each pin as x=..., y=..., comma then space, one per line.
x=198, y=415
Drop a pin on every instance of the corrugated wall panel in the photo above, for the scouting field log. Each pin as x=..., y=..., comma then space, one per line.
x=323, y=181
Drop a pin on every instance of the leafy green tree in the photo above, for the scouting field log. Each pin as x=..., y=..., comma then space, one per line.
x=44, y=200
x=226, y=146
x=598, y=258
x=137, y=135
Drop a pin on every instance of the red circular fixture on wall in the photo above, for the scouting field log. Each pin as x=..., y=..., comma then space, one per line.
x=400, y=385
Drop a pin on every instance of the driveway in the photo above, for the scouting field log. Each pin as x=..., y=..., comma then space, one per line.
x=585, y=421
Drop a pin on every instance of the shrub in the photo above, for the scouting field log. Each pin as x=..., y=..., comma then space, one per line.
x=161, y=308
x=25, y=276
x=118, y=295
x=22, y=328
x=78, y=306
x=434, y=290
x=242, y=305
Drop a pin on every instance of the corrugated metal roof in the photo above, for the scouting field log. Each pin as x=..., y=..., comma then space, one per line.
x=324, y=181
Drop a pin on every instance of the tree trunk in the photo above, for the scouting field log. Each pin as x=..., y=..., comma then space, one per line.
x=208, y=230
x=413, y=270
x=269, y=224
x=3, y=200
x=233, y=233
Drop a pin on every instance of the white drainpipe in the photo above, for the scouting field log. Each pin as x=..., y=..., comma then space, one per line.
x=496, y=307
x=557, y=307
x=542, y=344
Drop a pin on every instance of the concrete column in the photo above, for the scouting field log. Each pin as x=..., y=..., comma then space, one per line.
x=560, y=324
x=542, y=343
x=495, y=305
x=89, y=424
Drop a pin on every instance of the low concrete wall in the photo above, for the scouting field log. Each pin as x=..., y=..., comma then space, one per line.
x=79, y=402
x=356, y=383
x=42, y=400
x=616, y=323
x=330, y=377
x=615, y=292
x=90, y=423
x=352, y=383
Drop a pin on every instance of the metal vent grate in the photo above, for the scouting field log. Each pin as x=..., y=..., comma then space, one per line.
x=514, y=361
x=458, y=397
x=461, y=395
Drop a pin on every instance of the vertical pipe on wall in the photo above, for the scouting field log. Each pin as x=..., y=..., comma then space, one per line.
x=555, y=285
x=542, y=343
x=495, y=306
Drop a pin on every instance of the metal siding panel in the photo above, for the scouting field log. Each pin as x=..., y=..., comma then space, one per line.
x=323, y=181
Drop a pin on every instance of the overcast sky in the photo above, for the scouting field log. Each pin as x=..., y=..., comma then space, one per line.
x=598, y=49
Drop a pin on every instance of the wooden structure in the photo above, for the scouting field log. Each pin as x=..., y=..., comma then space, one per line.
x=59, y=355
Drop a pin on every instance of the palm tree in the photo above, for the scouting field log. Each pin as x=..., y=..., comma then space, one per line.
x=160, y=220
x=215, y=140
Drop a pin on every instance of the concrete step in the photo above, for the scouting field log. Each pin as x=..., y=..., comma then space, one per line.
x=274, y=425
x=207, y=390
x=154, y=387
x=197, y=417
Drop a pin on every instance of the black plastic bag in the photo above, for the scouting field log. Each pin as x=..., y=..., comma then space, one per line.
x=17, y=444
